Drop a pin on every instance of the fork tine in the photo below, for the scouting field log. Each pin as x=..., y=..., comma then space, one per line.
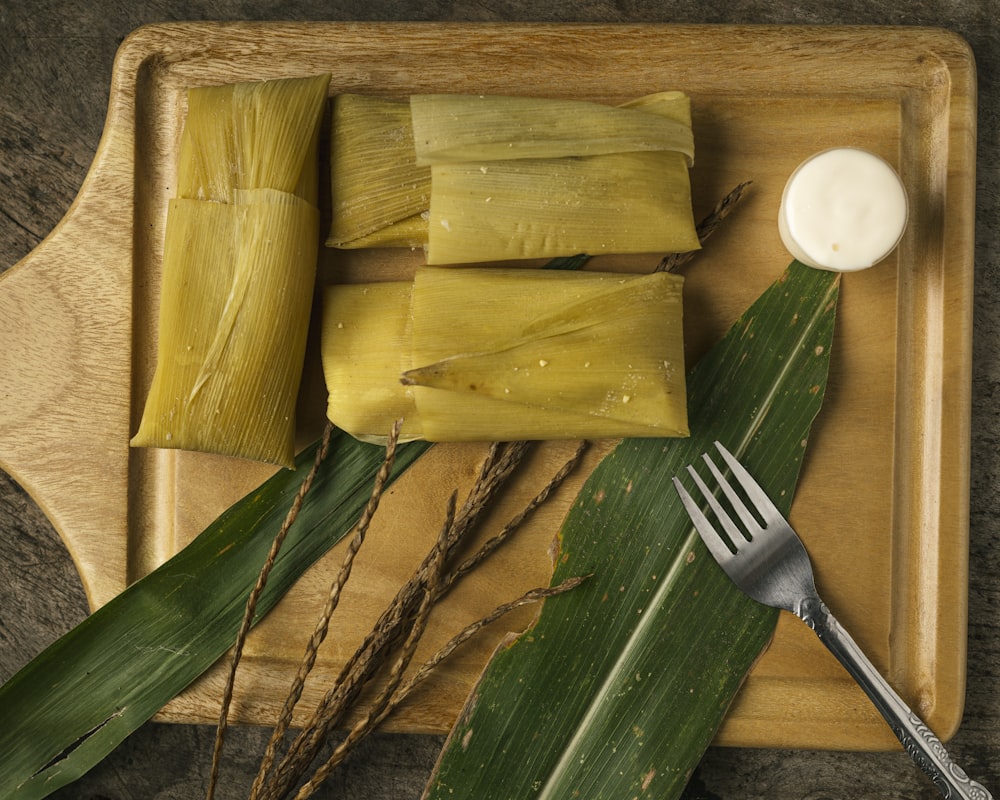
x=768, y=510
x=715, y=544
x=751, y=525
x=736, y=536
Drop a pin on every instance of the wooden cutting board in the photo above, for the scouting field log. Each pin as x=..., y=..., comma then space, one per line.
x=884, y=499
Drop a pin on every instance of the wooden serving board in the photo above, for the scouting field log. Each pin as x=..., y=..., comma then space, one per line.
x=884, y=497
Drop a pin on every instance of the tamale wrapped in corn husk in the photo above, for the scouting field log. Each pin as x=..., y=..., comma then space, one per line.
x=496, y=354
x=239, y=264
x=507, y=178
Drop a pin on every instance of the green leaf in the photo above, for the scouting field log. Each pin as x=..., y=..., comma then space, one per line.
x=620, y=685
x=72, y=704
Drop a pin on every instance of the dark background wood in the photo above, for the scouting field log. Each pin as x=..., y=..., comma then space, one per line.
x=55, y=69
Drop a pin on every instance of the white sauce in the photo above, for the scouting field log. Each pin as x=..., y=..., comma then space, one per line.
x=843, y=209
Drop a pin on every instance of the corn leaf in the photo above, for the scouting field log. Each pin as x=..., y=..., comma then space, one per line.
x=72, y=704
x=620, y=685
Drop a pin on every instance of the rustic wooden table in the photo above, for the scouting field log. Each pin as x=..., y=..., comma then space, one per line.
x=55, y=61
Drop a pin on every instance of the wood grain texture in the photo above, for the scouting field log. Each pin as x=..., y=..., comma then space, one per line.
x=59, y=145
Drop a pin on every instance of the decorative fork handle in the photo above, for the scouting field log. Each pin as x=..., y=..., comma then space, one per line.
x=917, y=739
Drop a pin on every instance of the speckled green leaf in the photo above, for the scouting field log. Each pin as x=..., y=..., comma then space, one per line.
x=620, y=686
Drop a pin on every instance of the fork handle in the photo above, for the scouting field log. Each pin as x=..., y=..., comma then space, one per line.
x=917, y=739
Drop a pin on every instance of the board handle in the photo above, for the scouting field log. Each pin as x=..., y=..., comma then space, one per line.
x=65, y=364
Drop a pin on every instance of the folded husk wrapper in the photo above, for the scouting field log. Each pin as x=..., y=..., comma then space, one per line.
x=235, y=302
x=532, y=208
x=459, y=128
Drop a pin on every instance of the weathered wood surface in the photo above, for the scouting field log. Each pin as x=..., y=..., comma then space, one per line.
x=56, y=59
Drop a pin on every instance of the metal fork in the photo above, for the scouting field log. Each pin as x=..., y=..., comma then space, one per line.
x=769, y=563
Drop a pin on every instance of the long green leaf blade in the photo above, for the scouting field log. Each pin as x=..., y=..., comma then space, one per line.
x=72, y=704
x=620, y=685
